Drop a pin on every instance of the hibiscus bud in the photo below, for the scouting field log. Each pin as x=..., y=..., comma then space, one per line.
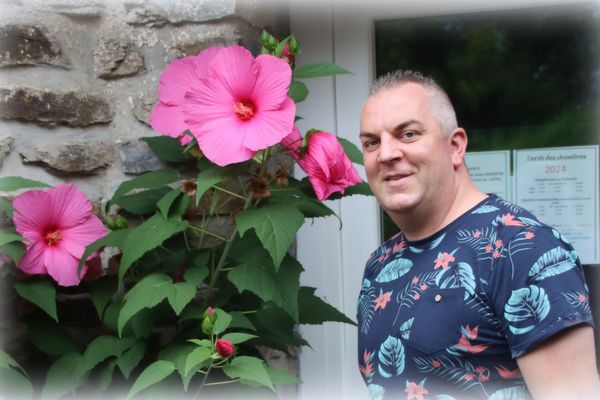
x=207, y=326
x=268, y=41
x=224, y=348
x=328, y=167
x=287, y=55
x=115, y=222
x=294, y=45
x=264, y=37
x=208, y=320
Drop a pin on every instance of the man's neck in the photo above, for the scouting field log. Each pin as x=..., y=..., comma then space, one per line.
x=423, y=222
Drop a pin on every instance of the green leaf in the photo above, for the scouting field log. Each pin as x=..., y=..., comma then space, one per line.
x=351, y=150
x=103, y=347
x=105, y=375
x=280, y=287
x=315, y=311
x=144, y=202
x=40, y=293
x=147, y=236
x=7, y=361
x=310, y=207
x=111, y=315
x=196, y=358
x=149, y=180
x=166, y=148
x=147, y=293
x=179, y=207
x=154, y=373
x=281, y=377
x=64, y=376
x=164, y=204
x=298, y=91
x=239, y=320
x=7, y=237
x=11, y=183
x=361, y=188
x=211, y=176
x=14, y=385
x=280, y=46
x=181, y=294
x=191, y=312
x=177, y=354
x=238, y=337
x=223, y=321
x=14, y=250
x=319, y=69
x=102, y=291
x=6, y=207
x=142, y=324
x=195, y=275
x=131, y=358
x=275, y=225
x=201, y=342
x=277, y=329
x=52, y=338
x=115, y=238
x=249, y=368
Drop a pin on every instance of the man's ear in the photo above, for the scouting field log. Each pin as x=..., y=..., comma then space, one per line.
x=458, y=146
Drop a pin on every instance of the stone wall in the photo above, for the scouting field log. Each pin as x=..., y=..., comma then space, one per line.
x=78, y=79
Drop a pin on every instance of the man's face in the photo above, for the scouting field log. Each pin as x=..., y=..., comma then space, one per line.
x=407, y=159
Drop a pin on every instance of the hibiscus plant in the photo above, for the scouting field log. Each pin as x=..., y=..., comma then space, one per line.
x=197, y=275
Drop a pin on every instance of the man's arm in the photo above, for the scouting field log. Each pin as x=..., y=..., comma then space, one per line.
x=563, y=367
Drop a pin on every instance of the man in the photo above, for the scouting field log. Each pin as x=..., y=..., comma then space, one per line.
x=475, y=297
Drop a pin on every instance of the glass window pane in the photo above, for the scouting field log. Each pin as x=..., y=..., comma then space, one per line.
x=523, y=78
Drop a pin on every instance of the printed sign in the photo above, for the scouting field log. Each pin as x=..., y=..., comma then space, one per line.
x=490, y=171
x=560, y=186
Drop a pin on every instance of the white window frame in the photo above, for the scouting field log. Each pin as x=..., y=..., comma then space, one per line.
x=342, y=31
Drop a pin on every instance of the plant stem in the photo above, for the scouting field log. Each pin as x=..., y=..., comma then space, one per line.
x=205, y=232
x=203, y=383
x=222, y=383
x=229, y=192
x=221, y=263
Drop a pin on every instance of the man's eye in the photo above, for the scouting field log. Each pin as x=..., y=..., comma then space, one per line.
x=409, y=134
x=370, y=144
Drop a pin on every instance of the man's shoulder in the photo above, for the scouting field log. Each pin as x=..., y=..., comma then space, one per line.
x=501, y=213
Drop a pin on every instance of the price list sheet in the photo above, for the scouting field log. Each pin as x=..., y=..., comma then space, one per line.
x=560, y=186
x=490, y=171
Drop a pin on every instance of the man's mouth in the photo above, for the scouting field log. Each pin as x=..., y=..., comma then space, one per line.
x=394, y=177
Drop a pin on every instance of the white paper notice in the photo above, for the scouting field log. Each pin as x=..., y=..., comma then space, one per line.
x=490, y=171
x=560, y=186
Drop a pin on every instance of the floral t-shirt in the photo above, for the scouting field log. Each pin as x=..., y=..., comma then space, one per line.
x=446, y=317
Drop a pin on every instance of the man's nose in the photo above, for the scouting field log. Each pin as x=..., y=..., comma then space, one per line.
x=389, y=149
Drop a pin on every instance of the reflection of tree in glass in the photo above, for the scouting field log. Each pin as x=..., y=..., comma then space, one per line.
x=519, y=78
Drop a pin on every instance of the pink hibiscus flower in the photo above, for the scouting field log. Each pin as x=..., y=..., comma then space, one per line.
x=58, y=224
x=175, y=81
x=241, y=106
x=328, y=167
x=293, y=142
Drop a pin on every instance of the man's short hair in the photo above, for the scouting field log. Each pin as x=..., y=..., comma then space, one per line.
x=440, y=103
